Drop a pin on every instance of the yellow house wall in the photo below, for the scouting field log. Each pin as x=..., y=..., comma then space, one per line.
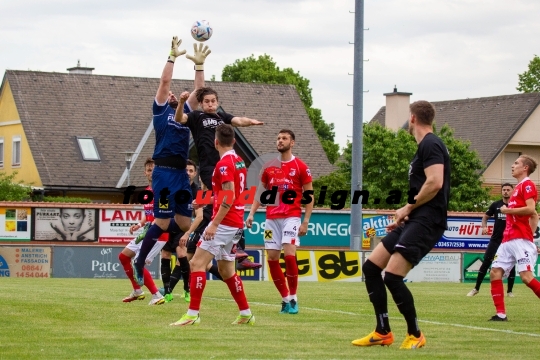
x=494, y=174
x=528, y=133
x=10, y=125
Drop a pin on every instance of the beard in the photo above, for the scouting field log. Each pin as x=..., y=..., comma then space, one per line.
x=284, y=149
x=173, y=104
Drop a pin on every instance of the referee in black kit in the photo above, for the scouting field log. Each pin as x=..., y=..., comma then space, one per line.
x=495, y=240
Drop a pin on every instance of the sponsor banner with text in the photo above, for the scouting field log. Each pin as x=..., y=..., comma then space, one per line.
x=65, y=224
x=473, y=261
x=93, y=262
x=114, y=225
x=29, y=262
x=325, y=266
x=15, y=224
x=437, y=267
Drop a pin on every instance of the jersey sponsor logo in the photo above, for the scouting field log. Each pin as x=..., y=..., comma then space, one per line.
x=523, y=261
x=268, y=235
x=240, y=165
x=212, y=122
x=223, y=170
x=164, y=205
x=292, y=172
x=289, y=233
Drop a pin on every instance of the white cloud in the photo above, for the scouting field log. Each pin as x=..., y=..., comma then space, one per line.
x=436, y=50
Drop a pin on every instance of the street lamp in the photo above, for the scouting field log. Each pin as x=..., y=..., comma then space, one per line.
x=129, y=157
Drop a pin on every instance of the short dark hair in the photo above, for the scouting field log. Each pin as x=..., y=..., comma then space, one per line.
x=225, y=134
x=202, y=92
x=423, y=111
x=507, y=184
x=192, y=163
x=529, y=161
x=287, y=131
x=149, y=161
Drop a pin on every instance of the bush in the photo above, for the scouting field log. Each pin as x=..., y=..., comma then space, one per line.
x=66, y=199
x=11, y=191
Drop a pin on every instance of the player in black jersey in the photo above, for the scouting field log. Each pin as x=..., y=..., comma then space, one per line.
x=417, y=228
x=495, y=240
x=203, y=126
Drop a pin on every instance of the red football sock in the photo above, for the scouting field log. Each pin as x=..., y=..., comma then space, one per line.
x=278, y=277
x=534, y=285
x=291, y=268
x=197, y=282
x=149, y=282
x=497, y=293
x=126, y=264
x=236, y=287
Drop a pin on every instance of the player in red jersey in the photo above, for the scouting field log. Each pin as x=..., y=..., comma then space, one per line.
x=223, y=232
x=517, y=246
x=132, y=249
x=283, y=225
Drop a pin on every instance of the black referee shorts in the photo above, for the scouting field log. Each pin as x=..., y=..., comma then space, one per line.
x=173, y=242
x=413, y=241
x=192, y=243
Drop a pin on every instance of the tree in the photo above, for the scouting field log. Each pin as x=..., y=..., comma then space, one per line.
x=386, y=164
x=529, y=81
x=10, y=191
x=264, y=70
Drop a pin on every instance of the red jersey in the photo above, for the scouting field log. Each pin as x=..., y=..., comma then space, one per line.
x=231, y=167
x=517, y=226
x=290, y=175
x=149, y=213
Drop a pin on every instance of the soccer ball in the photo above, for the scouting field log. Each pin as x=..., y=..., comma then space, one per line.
x=201, y=30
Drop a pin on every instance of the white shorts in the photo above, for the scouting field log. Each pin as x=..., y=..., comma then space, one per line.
x=223, y=246
x=137, y=247
x=281, y=231
x=519, y=252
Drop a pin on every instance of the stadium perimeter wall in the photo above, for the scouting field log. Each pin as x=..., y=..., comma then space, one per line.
x=34, y=243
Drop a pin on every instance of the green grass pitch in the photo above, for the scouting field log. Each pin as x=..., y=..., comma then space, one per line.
x=85, y=318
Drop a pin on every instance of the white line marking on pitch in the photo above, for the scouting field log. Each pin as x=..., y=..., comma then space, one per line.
x=395, y=318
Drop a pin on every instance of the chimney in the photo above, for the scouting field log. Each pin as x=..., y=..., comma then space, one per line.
x=397, y=109
x=80, y=70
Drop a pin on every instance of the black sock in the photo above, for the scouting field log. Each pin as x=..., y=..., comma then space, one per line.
x=482, y=273
x=153, y=233
x=377, y=295
x=184, y=269
x=166, y=274
x=214, y=271
x=175, y=276
x=511, y=279
x=404, y=301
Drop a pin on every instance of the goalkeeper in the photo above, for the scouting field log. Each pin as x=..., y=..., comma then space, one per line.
x=170, y=181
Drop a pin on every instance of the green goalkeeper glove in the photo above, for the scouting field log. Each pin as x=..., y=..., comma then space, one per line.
x=175, y=52
x=199, y=55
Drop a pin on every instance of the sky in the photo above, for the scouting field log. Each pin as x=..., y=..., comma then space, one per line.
x=436, y=50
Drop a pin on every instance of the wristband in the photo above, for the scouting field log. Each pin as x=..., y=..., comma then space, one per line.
x=199, y=67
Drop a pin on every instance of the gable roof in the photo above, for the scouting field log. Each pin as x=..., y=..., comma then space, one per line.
x=489, y=123
x=55, y=108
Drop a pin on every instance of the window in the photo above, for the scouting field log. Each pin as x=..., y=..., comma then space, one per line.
x=1, y=152
x=16, y=154
x=509, y=158
x=88, y=148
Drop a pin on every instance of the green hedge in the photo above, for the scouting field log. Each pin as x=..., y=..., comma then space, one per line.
x=66, y=199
